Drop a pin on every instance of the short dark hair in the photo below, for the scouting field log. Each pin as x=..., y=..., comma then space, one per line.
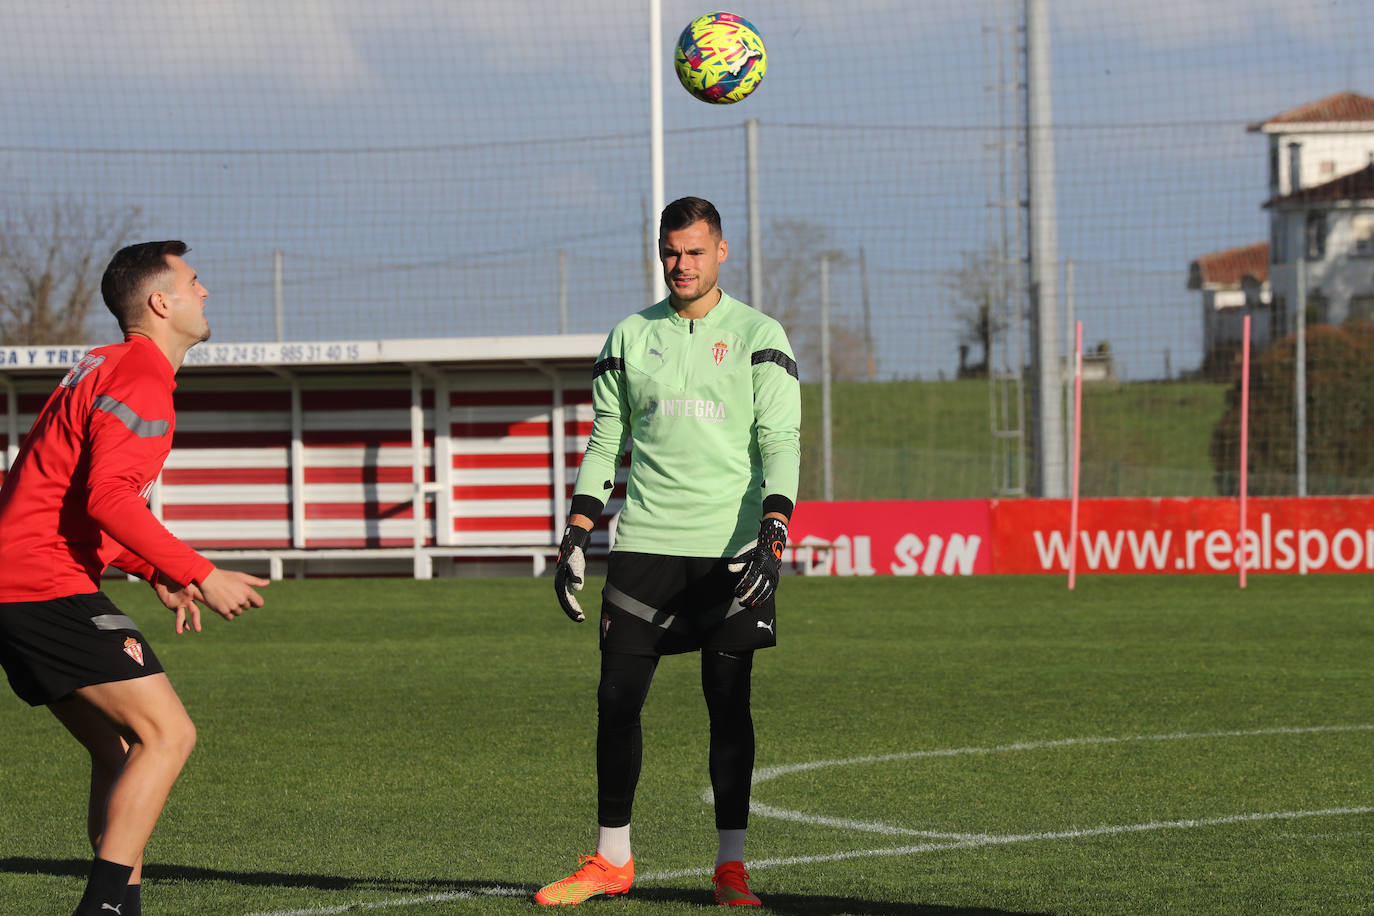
x=685, y=211
x=126, y=277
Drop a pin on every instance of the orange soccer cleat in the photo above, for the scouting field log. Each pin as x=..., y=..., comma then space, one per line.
x=594, y=876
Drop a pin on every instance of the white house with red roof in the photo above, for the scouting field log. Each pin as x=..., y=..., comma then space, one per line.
x=1321, y=221
x=1234, y=283
x=1318, y=142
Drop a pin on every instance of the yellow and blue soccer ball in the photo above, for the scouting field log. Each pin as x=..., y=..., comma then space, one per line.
x=720, y=58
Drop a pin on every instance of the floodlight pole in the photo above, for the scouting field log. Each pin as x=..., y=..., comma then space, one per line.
x=656, y=138
x=562, y=292
x=751, y=157
x=278, y=307
x=12, y=419
x=1044, y=256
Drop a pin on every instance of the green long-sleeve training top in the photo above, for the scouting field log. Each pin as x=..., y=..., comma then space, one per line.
x=712, y=407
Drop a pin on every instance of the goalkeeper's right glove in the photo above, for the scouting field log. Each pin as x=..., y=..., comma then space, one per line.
x=572, y=563
x=759, y=564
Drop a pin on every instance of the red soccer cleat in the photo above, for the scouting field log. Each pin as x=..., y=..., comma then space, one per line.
x=732, y=886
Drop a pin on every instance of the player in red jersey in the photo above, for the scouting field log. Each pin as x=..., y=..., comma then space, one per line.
x=75, y=502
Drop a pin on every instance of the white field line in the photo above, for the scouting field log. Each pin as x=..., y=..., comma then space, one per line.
x=952, y=840
x=974, y=842
x=845, y=823
x=1346, y=835
x=767, y=773
x=448, y=897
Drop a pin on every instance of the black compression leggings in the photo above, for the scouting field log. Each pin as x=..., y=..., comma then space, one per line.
x=625, y=681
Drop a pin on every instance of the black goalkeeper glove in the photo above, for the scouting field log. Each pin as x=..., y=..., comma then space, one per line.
x=760, y=563
x=572, y=563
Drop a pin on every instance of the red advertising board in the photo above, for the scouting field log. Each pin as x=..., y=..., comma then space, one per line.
x=964, y=537
x=891, y=538
x=1283, y=535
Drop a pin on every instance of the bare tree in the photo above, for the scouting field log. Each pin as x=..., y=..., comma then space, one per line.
x=793, y=251
x=849, y=352
x=51, y=261
x=976, y=286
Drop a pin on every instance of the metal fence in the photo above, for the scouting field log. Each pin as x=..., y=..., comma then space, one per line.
x=344, y=169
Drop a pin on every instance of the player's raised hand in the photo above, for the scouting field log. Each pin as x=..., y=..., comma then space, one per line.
x=760, y=563
x=181, y=599
x=229, y=592
x=572, y=564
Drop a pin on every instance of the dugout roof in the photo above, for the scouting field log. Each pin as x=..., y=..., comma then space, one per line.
x=444, y=448
x=328, y=355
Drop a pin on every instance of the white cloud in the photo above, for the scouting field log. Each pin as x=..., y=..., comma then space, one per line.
x=302, y=43
x=324, y=45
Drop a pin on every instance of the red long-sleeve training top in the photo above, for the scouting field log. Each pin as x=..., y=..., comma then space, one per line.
x=75, y=500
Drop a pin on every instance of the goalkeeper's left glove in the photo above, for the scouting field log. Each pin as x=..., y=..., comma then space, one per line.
x=572, y=564
x=760, y=563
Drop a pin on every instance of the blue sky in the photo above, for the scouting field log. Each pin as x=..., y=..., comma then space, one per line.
x=422, y=164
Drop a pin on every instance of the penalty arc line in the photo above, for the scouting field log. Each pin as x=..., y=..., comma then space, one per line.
x=955, y=841
x=842, y=823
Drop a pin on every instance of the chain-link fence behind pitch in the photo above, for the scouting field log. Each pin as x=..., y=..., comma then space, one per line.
x=349, y=170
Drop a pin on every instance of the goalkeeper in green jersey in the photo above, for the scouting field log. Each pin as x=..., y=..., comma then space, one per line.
x=705, y=389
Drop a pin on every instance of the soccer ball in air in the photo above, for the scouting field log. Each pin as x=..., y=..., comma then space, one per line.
x=720, y=58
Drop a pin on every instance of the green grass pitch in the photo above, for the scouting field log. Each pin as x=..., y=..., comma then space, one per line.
x=932, y=746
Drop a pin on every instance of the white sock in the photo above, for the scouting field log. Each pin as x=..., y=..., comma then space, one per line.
x=731, y=847
x=613, y=844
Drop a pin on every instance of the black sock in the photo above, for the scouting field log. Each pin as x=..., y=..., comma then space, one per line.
x=133, y=901
x=105, y=889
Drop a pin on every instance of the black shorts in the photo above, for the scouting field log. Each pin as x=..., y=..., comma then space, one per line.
x=661, y=605
x=50, y=648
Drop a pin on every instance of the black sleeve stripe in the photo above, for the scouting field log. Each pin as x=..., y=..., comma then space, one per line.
x=607, y=364
x=775, y=356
